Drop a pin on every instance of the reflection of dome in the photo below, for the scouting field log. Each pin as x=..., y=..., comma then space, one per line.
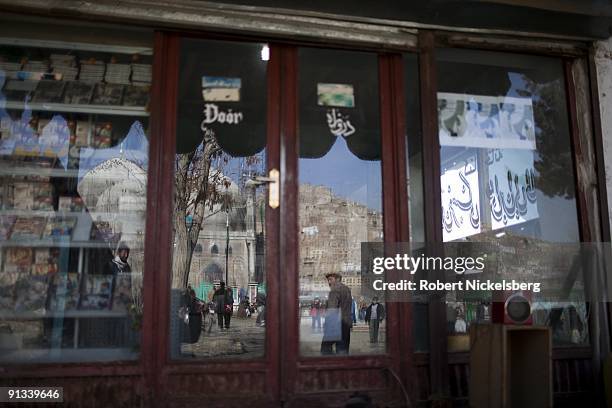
x=217, y=216
x=107, y=182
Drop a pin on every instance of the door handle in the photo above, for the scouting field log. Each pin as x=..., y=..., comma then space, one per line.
x=274, y=188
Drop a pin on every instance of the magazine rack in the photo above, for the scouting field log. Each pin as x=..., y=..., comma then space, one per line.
x=73, y=157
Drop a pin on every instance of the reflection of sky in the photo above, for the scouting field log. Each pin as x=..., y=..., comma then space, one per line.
x=348, y=176
x=238, y=169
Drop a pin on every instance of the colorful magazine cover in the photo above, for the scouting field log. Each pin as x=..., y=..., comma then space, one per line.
x=53, y=136
x=18, y=260
x=81, y=134
x=43, y=197
x=136, y=95
x=23, y=196
x=6, y=225
x=64, y=288
x=70, y=204
x=59, y=227
x=78, y=92
x=31, y=293
x=49, y=91
x=107, y=94
x=122, y=292
x=7, y=290
x=28, y=228
x=102, y=135
x=97, y=294
x=26, y=137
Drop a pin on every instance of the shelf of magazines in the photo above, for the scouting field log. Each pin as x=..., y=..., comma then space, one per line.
x=61, y=229
x=63, y=316
x=75, y=108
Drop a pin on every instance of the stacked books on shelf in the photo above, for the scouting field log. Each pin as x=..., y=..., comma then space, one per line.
x=9, y=67
x=65, y=66
x=36, y=66
x=118, y=73
x=141, y=74
x=63, y=78
x=92, y=71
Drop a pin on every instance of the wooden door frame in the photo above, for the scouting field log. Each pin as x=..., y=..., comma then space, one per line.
x=171, y=379
x=397, y=363
x=282, y=365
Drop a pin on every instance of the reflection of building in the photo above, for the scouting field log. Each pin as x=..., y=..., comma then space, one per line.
x=245, y=250
x=332, y=230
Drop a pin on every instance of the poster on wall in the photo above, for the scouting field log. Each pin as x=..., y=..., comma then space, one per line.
x=485, y=121
x=460, y=199
x=511, y=187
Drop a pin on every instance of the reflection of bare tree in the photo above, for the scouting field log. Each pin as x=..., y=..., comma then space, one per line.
x=554, y=157
x=196, y=188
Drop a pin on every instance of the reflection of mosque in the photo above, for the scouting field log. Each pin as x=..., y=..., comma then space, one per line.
x=245, y=252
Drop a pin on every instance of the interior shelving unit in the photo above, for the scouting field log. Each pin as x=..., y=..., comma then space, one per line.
x=60, y=331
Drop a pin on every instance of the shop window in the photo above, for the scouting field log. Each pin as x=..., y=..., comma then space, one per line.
x=73, y=179
x=340, y=195
x=507, y=170
x=218, y=303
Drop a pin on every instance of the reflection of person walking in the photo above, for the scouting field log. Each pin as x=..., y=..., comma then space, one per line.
x=338, y=317
x=224, y=304
x=375, y=313
x=315, y=313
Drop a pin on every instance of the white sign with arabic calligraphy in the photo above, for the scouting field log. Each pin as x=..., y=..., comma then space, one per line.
x=511, y=187
x=486, y=121
x=339, y=123
x=460, y=200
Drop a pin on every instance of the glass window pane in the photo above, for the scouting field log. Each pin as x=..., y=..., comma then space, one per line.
x=218, y=269
x=340, y=201
x=73, y=178
x=506, y=162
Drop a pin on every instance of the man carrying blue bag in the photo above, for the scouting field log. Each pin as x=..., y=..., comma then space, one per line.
x=338, y=317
